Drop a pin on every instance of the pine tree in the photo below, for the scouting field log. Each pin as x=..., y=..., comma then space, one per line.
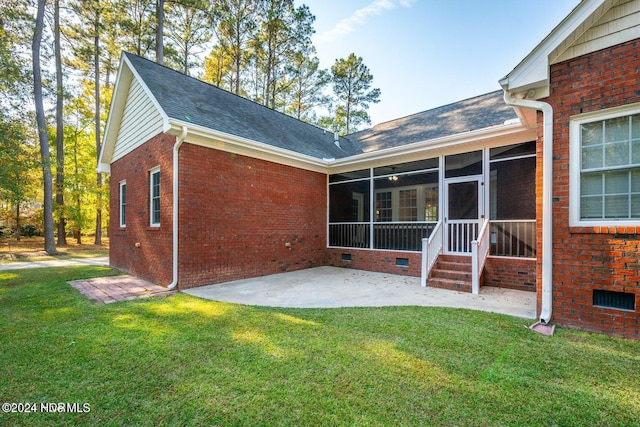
x=45, y=156
x=351, y=81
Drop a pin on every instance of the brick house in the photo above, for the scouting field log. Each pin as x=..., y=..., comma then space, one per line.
x=533, y=187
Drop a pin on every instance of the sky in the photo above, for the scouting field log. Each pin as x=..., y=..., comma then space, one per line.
x=428, y=53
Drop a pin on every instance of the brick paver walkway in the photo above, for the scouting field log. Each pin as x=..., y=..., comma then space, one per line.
x=104, y=290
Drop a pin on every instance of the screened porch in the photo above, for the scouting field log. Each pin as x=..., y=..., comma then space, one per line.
x=394, y=207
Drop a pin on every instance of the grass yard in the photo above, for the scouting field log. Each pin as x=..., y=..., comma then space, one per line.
x=182, y=361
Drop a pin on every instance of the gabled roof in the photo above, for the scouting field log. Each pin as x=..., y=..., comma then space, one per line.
x=191, y=100
x=178, y=100
x=592, y=25
x=476, y=113
x=150, y=98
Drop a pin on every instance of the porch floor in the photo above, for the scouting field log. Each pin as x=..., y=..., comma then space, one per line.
x=325, y=287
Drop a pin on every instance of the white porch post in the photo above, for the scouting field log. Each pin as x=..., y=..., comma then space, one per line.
x=423, y=276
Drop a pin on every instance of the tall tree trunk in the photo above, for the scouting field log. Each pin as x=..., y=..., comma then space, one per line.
x=96, y=61
x=62, y=223
x=18, y=229
x=45, y=155
x=160, y=32
x=77, y=232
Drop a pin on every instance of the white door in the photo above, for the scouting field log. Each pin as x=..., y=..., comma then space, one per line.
x=463, y=204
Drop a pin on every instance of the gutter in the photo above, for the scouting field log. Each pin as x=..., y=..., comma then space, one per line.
x=176, y=148
x=547, y=198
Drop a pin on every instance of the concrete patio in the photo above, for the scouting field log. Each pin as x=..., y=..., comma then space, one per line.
x=327, y=287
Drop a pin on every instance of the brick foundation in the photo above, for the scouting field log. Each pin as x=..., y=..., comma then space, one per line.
x=511, y=273
x=379, y=261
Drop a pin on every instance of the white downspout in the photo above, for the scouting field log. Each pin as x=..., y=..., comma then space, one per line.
x=547, y=198
x=176, y=148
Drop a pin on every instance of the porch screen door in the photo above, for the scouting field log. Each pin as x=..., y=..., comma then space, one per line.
x=463, y=215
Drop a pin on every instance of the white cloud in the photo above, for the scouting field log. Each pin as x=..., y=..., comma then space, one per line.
x=359, y=17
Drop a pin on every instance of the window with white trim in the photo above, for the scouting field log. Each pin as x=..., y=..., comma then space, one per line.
x=154, y=197
x=606, y=151
x=123, y=204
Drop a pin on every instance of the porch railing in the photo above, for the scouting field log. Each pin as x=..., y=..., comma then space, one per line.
x=460, y=234
x=431, y=249
x=513, y=238
x=404, y=236
x=479, y=251
x=349, y=234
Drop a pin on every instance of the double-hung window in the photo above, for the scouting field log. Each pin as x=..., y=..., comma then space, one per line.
x=123, y=204
x=605, y=166
x=154, y=197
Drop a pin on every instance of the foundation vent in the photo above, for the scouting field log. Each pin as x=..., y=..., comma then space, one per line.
x=611, y=299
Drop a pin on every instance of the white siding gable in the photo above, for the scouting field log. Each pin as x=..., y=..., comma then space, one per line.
x=619, y=24
x=141, y=120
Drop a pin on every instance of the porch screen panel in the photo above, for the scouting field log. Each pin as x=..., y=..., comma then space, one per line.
x=513, y=200
x=349, y=212
x=342, y=199
x=405, y=209
x=463, y=200
x=513, y=189
x=464, y=164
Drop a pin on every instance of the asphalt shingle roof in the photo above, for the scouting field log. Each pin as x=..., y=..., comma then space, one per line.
x=471, y=114
x=188, y=99
x=192, y=100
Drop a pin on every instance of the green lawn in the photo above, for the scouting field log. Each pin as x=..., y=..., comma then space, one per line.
x=182, y=361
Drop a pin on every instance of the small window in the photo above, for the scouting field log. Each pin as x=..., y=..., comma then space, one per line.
x=346, y=257
x=408, y=205
x=617, y=300
x=384, y=209
x=123, y=203
x=154, y=188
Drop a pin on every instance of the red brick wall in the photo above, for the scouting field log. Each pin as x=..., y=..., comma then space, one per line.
x=152, y=260
x=238, y=213
x=380, y=261
x=511, y=273
x=592, y=258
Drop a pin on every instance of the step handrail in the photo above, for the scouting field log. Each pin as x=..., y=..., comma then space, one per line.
x=432, y=247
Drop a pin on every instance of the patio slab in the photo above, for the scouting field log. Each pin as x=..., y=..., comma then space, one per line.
x=328, y=287
x=105, y=290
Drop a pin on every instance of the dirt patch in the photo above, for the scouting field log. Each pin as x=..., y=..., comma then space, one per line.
x=33, y=247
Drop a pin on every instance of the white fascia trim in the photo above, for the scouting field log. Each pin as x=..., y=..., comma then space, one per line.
x=117, y=104
x=201, y=135
x=533, y=71
x=125, y=71
x=445, y=142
